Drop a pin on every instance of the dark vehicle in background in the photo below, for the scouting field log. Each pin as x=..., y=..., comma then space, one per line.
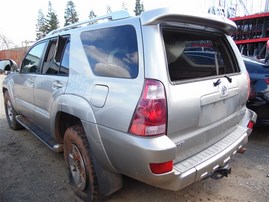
x=259, y=95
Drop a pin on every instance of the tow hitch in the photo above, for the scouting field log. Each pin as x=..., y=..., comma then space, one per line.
x=222, y=172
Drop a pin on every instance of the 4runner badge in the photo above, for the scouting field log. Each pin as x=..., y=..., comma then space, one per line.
x=223, y=90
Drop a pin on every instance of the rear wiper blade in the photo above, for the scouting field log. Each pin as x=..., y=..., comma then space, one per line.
x=216, y=83
x=228, y=78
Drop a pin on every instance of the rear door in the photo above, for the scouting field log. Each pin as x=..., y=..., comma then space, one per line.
x=206, y=94
x=52, y=80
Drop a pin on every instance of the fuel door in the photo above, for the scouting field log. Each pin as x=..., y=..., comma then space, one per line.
x=99, y=95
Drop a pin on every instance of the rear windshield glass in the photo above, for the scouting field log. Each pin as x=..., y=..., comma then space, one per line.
x=194, y=55
x=112, y=52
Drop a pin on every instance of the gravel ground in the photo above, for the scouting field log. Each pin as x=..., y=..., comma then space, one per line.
x=29, y=171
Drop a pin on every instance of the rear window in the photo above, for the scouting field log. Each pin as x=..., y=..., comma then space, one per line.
x=194, y=55
x=112, y=52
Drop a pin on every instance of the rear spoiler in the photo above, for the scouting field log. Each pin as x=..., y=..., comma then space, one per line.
x=160, y=15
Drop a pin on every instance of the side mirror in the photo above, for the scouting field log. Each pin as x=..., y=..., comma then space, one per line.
x=7, y=66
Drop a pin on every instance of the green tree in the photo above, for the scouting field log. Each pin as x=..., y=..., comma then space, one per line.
x=41, y=25
x=51, y=21
x=139, y=7
x=70, y=14
x=92, y=15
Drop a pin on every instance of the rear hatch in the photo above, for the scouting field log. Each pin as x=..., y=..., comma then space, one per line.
x=207, y=91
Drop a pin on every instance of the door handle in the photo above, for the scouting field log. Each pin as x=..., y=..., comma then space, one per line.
x=56, y=85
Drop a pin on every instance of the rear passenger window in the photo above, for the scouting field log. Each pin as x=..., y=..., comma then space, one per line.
x=56, y=61
x=112, y=52
x=64, y=70
x=50, y=66
x=194, y=55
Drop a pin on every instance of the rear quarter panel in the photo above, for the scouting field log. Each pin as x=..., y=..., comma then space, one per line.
x=117, y=107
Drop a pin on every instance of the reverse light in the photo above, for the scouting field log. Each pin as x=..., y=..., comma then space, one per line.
x=150, y=115
x=160, y=168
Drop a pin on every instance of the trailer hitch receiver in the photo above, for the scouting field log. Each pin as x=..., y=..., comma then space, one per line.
x=222, y=172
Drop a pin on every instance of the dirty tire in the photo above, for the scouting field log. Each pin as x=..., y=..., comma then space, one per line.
x=11, y=113
x=80, y=167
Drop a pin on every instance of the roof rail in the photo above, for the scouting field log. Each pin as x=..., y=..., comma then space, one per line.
x=111, y=16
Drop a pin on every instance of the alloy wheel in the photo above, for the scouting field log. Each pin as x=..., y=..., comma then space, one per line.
x=77, y=167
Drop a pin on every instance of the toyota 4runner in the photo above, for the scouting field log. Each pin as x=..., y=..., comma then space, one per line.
x=160, y=98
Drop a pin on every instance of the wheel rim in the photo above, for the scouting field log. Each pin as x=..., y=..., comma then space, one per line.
x=77, y=167
x=9, y=110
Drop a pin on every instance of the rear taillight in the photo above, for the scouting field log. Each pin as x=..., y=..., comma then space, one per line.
x=150, y=115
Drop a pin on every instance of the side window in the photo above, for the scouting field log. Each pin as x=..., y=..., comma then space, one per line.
x=112, y=52
x=57, y=53
x=50, y=66
x=31, y=63
x=64, y=69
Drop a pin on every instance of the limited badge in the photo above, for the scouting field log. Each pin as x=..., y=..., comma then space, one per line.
x=223, y=90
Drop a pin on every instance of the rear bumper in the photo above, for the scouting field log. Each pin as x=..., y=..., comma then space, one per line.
x=130, y=155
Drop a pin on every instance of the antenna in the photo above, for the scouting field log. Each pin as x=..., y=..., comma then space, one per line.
x=111, y=16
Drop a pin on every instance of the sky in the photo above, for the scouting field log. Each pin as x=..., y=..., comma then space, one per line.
x=19, y=17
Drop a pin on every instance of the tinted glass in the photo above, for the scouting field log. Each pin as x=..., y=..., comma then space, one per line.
x=193, y=55
x=64, y=70
x=31, y=63
x=57, y=57
x=112, y=52
x=50, y=66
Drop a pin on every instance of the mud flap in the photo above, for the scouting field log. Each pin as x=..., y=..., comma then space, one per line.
x=109, y=182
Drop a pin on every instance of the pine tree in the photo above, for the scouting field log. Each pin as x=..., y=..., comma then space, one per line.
x=51, y=22
x=70, y=14
x=139, y=7
x=40, y=26
x=92, y=15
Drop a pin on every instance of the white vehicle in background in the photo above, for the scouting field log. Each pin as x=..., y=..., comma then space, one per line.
x=6, y=66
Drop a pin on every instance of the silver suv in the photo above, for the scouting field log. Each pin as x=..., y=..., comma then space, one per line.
x=132, y=96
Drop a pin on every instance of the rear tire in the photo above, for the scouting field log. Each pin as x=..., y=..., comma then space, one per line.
x=80, y=166
x=11, y=113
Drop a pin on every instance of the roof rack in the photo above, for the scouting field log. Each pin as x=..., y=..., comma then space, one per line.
x=111, y=16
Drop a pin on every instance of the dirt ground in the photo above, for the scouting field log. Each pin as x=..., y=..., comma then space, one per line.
x=29, y=171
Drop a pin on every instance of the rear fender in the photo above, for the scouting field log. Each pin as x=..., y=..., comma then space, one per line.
x=109, y=181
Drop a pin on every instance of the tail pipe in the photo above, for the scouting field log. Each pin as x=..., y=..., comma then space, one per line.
x=222, y=172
